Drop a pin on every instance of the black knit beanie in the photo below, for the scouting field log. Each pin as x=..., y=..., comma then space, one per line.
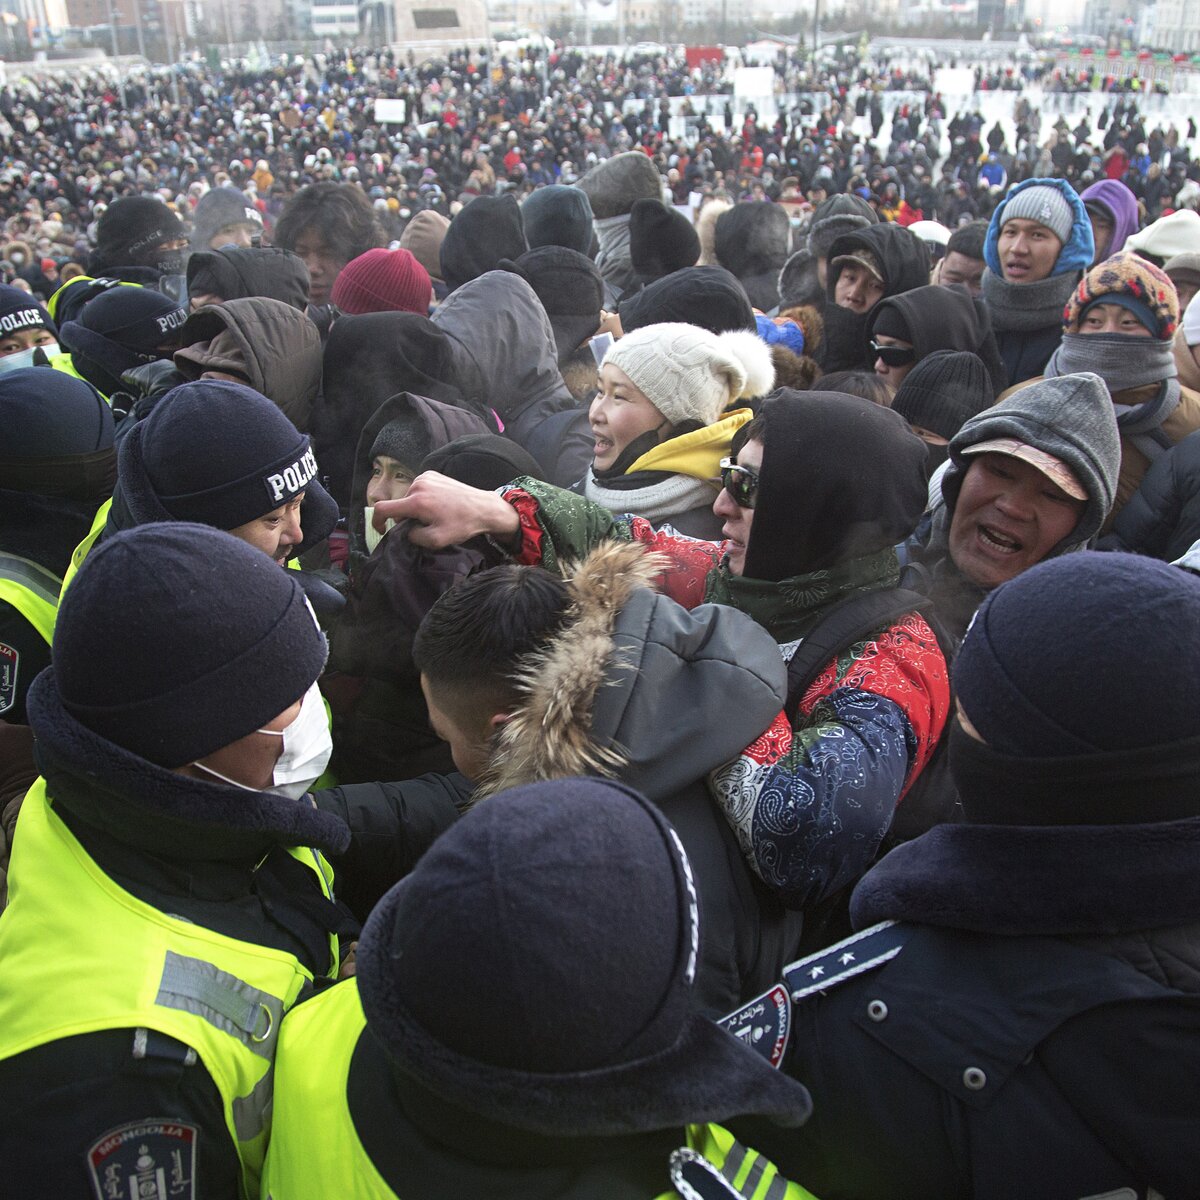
x=131, y=232
x=483, y=233
x=661, y=240
x=217, y=453
x=120, y=329
x=483, y=460
x=222, y=643
x=710, y=297
x=571, y=290
x=558, y=216
x=891, y=322
x=945, y=389
x=1048, y=652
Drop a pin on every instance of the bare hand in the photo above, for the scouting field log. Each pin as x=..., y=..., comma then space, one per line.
x=448, y=513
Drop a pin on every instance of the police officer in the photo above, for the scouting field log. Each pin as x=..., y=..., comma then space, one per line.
x=57, y=466
x=168, y=895
x=222, y=454
x=1020, y=1013
x=521, y=1025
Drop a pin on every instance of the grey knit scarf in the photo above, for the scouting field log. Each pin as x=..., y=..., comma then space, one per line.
x=1125, y=362
x=1024, y=306
x=1121, y=360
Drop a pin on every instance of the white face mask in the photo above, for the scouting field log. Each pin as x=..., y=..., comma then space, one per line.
x=25, y=358
x=374, y=537
x=307, y=748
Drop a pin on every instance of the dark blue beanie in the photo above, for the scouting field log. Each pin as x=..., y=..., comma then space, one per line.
x=215, y=452
x=1084, y=654
x=575, y=902
x=120, y=329
x=50, y=414
x=20, y=311
x=223, y=642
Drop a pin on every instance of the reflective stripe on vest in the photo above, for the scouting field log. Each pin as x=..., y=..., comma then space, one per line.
x=31, y=590
x=67, y=921
x=315, y=1152
x=84, y=548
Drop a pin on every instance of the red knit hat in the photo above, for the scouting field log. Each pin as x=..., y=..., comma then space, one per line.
x=382, y=281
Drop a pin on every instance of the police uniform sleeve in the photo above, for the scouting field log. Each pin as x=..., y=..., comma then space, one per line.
x=391, y=826
x=23, y=654
x=117, y=1113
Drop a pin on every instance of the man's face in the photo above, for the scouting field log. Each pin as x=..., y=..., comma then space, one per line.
x=857, y=289
x=469, y=739
x=277, y=534
x=1102, y=234
x=1009, y=516
x=893, y=359
x=24, y=339
x=240, y=234
x=323, y=264
x=1027, y=250
x=958, y=268
x=738, y=520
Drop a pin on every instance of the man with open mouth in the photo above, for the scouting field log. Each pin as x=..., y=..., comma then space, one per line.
x=1029, y=479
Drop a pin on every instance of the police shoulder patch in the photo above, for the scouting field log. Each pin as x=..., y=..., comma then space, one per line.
x=764, y=1024
x=835, y=964
x=10, y=660
x=153, y=1159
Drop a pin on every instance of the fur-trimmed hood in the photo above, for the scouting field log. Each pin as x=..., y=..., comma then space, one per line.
x=638, y=688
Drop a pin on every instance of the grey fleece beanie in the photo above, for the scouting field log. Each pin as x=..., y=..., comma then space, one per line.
x=613, y=185
x=1045, y=205
x=1069, y=416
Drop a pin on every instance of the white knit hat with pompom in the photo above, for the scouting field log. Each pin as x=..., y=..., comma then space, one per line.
x=689, y=374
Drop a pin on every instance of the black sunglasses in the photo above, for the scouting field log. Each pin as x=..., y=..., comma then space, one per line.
x=894, y=356
x=740, y=482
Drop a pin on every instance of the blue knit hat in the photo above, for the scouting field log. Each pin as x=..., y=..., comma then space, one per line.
x=221, y=642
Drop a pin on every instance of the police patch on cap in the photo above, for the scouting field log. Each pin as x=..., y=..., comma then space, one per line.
x=290, y=481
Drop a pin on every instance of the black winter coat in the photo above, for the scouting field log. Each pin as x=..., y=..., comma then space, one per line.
x=1025, y=352
x=1035, y=1035
x=1162, y=518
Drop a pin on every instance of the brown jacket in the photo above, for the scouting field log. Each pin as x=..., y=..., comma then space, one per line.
x=274, y=347
x=1187, y=361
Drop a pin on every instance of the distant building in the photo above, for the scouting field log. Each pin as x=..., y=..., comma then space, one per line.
x=383, y=22
x=1177, y=26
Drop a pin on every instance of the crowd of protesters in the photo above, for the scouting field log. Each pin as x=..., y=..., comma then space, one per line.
x=593, y=644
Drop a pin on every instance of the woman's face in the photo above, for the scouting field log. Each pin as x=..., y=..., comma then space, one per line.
x=619, y=413
x=390, y=480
